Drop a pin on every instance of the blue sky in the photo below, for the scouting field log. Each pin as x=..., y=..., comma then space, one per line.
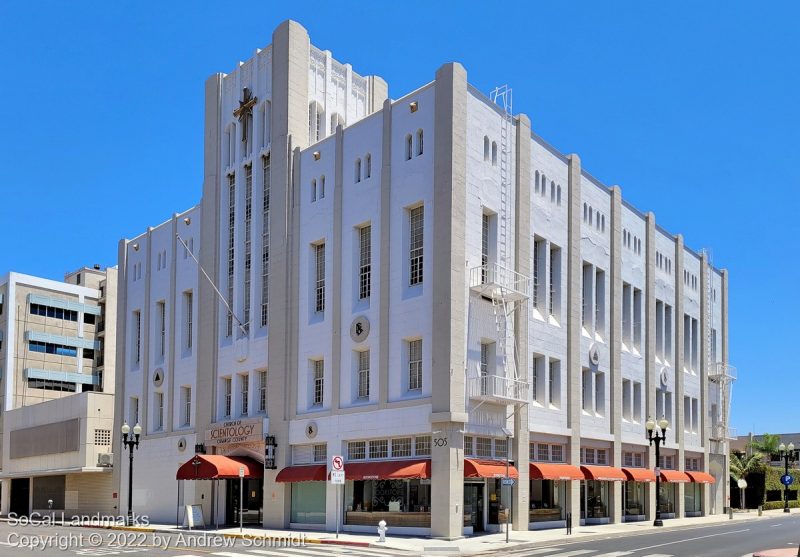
x=690, y=107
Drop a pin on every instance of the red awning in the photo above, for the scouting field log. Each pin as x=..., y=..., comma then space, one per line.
x=701, y=477
x=388, y=470
x=639, y=474
x=218, y=467
x=675, y=476
x=547, y=471
x=478, y=468
x=310, y=473
x=603, y=473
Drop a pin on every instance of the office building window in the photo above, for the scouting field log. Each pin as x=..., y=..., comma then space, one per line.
x=265, y=242
x=554, y=383
x=159, y=412
x=416, y=227
x=319, y=290
x=356, y=450
x=537, y=379
x=363, y=374
x=365, y=262
x=319, y=382
x=133, y=411
x=161, y=324
x=415, y=365
x=262, y=391
x=137, y=337
x=539, y=252
x=554, y=271
x=244, y=404
x=186, y=399
x=227, y=393
x=248, y=241
x=231, y=249
x=189, y=318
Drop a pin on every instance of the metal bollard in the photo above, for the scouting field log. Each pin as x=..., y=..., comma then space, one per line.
x=569, y=524
x=382, y=531
x=730, y=513
x=760, y=510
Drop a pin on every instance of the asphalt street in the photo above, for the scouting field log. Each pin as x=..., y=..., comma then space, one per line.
x=735, y=539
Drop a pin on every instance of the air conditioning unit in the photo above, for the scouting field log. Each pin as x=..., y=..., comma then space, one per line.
x=105, y=459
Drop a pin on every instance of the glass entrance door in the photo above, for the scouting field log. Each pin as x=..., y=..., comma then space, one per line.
x=473, y=506
x=251, y=507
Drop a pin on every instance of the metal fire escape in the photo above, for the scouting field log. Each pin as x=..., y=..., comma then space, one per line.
x=505, y=288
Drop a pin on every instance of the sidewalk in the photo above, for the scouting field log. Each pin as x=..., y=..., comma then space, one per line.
x=467, y=546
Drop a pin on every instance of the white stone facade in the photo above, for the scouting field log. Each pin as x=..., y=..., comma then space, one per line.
x=282, y=232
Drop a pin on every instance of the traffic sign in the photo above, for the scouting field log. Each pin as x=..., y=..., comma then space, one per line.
x=241, y=471
x=337, y=477
x=337, y=463
x=508, y=481
x=787, y=480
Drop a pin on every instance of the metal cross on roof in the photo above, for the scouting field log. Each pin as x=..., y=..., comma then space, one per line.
x=245, y=110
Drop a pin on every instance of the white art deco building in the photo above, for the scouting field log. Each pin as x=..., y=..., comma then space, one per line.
x=426, y=287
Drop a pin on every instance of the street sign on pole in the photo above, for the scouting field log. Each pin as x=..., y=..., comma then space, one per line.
x=787, y=480
x=241, y=496
x=337, y=462
x=337, y=477
x=508, y=481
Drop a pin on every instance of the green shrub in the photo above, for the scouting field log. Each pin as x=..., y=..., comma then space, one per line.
x=772, y=505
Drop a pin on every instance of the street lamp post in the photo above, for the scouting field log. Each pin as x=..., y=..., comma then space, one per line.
x=787, y=455
x=654, y=437
x=130, y=443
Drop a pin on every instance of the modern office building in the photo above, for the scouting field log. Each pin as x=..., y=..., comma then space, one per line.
x=427, y=288
x=57, y=353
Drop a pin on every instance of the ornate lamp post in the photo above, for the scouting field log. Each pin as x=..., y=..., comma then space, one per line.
x=787, y=455
x=654, y=437
x=130, y=443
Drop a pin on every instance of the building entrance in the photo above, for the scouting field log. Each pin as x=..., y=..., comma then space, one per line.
x=251, y=507
x=20, y=496
x=473, y=506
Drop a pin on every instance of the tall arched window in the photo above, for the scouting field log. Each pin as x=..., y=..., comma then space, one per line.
x=313, y=190
x=558, y=196
x=544, y=185
x=266, y=123
x=535, y=181
x=322, y=187
x=419, y=142
x=315, y=114
x=585, y=212
x=409, y=148
x=552, y=192
x=357, y=172
x=486, y=152
x=494, y=153
x=336, y=119
x=368, y=165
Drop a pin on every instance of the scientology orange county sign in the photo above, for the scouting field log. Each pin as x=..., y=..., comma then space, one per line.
x=235, y=432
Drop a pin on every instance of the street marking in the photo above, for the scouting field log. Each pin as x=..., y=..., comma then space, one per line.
x=573, y=553
x=542, y=551
x=615, y=554
x=693, y=539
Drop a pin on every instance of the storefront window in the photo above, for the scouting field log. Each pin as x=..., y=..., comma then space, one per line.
x=634, y=498
x=692, y=496
x=499, y=496
x=547, y=498
x=406, y=502
x=666, y=497
x=308, y=503
x=594, y=499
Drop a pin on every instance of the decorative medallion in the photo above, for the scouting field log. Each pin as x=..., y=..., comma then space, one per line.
x=359, y=330
x=311, y=430
x=158, y=377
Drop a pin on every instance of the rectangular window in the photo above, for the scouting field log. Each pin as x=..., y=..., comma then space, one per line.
x=422, y=445
x=586, y=390
x=415, y=365
x=319, y=290
x=244, y=398
x=469, y=449
x=637, y=320
x=356, y=450
x=687, y=414
x=627, y=400
x=137, y=336
x=484, y=248
x=321, y=452
x=659, y=330
x=379, y=448
x=600, y=303
x=265, y=242
x=231, y=249
x=713, y=346
x=600, y=393
x=401, y=447
x=695, y=417
x=601, y=457
x=537, y=379
x=159, y=407
x=363, y=374
x=554, y=383
x=133, y=410
x=588, y=291
x=186, y=399
x=627, y=312
x=262, y=391
x=500, y=448
x=637, y=402
x=554, y=270
x=483, y=446
x=248, y=241
x=189, y=313
x=542, y=452
x=668, y=354
x=695, y=346
x=539, y=252
x=416, y=228
x=485, y=351
x=162, y=327
x=319, y=382
x=365, y=262
x=557, y=453
x=227, y=393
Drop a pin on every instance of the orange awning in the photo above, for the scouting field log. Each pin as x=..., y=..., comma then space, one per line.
x=675, y=476
x=639, y=474
x=218, y=467
x=309, y=473
x=548, y=471
x=701, y=477
x=603, y=473
x=478, y=468
x=388, y=470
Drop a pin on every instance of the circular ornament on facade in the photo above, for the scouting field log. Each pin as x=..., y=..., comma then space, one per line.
x=158, y=377
x=311, y=430
x=182, y=444
x=594, y=354
x=359, y=330
x=663, y=375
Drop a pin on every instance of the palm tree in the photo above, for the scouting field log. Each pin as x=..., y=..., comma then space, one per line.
x=741, y=466
x=768, y=445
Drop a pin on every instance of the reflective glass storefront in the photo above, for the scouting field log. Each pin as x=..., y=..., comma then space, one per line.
x=402, y=503
x=308, y=503
x=547, y=498
x=666, y=498
x=594, y=499
x=633, y=500
x=692, y=499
